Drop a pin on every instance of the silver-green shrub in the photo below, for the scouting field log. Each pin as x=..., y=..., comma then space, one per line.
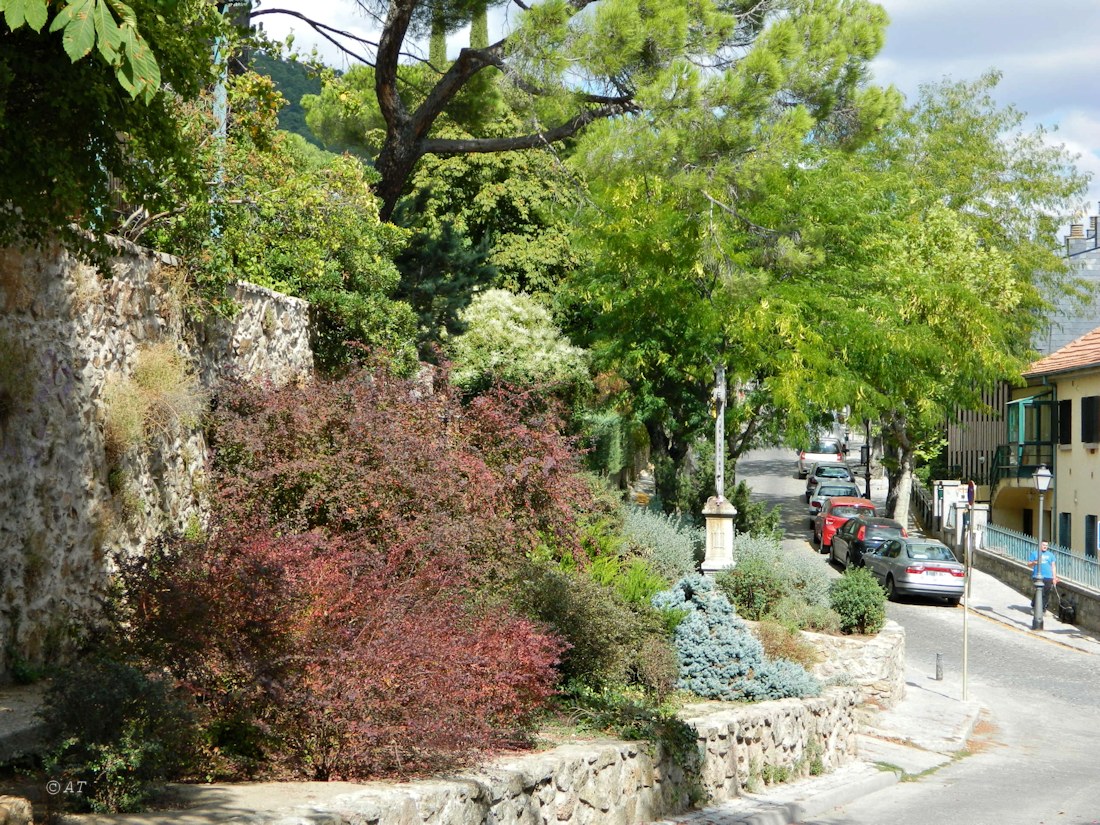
x=802, y=575
x=666, y=542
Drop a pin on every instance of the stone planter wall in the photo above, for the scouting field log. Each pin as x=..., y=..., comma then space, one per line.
x=875, y=664
x=64, y=510
x=614, y=783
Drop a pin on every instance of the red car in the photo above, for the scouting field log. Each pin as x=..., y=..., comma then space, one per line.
x=836, y=511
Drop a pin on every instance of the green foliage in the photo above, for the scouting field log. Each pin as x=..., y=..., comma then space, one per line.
x=91, y=143
x=297, y=221
x=754, y=517
x=512, y=339
x=860, y=601
x=109, y=27
x=117, y=730
x=753, y=586
x=796, y=613
x=611, y=641
x=294, y=81
x=764, y=575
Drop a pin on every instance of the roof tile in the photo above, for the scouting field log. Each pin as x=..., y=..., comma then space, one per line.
x=1079, y=354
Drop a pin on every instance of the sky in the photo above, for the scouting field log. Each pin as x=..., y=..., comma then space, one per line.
x=1048, y=53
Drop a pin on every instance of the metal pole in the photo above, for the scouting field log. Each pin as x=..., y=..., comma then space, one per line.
x=966, y=601
x=939, y=667
x=1037, y=578
x=720, y=431
x=867, y=468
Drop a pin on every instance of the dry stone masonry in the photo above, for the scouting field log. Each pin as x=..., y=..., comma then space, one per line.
x=66, y=506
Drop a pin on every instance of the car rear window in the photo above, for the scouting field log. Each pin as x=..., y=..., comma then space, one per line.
x=930, y=552
x=832, y=472
x=828, y=490
x=850, y=510
x=826, y=447
x=883, y=532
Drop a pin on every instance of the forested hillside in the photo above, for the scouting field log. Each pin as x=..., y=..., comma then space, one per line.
x=293, y=80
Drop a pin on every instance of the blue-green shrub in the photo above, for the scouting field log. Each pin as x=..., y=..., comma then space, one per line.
x=764, y=575
x=719, y=656
x=666, y=542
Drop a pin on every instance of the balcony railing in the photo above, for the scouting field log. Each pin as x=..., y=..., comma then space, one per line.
x=1076, y=569
x=1020, y=461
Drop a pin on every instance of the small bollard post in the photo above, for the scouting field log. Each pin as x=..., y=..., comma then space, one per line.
x=939, y=667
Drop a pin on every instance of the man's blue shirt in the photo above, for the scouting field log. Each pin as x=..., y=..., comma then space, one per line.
x=1046, y=563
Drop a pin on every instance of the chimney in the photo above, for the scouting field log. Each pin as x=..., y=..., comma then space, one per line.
x=1092, y=226
x=1076, y=230
x=1076, y=240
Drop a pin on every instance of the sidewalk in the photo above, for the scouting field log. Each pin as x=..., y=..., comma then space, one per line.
x=922, y=733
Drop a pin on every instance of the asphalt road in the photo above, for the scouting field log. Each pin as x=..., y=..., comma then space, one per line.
x=1036, y=759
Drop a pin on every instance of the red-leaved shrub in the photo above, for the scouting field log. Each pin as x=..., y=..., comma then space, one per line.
x=345, y=616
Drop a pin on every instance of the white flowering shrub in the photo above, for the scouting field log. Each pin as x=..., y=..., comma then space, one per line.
x=513, y=339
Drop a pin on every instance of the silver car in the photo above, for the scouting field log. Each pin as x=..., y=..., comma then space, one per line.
x=918, y=567
x=825, y=491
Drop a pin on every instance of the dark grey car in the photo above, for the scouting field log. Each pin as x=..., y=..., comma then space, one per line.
x=918, y=567
x=860, y=535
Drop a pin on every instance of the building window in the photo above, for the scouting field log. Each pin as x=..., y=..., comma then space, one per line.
x=1065, y=422
x=1090, y=419
x=1065, y=528
x=1090, y=537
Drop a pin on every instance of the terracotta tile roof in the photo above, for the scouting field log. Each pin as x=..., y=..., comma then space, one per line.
x=1076, y=355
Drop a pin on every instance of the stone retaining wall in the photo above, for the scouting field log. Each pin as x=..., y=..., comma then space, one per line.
x=875, y=664
x=64, y=507
x=616, y=783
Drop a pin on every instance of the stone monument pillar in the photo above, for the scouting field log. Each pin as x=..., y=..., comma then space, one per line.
x=719, y=514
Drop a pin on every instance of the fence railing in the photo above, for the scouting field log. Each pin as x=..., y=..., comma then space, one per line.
x=1076, y=569
x=922, y=507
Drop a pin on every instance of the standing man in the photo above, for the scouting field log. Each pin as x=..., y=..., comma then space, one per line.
x=1048, y=570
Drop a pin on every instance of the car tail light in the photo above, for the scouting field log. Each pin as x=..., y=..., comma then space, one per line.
x=802, y=454
x=862, y=532
x=920, y=568
x=904, y=533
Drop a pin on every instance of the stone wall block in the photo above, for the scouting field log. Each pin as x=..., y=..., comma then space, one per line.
x=72, y=330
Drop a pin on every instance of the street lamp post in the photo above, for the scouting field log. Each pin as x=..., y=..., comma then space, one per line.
x=1042, y=478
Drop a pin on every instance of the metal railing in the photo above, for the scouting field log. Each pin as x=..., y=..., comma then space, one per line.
x=1076, y=569
x=1020, y=460
x=922, y=507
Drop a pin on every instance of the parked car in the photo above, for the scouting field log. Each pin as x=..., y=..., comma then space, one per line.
x=862, y=534
x=828, y=471
x=820, y=452
x=917, y=566
x=835, y=512
x=826, y=491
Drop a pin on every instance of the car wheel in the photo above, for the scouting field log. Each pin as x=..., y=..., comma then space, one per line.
x=891, y=589
x=953, y=601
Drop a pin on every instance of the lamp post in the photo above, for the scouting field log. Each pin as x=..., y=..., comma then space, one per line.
x=1042, y=478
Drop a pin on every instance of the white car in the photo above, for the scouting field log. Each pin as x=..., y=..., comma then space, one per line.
x=820, y=452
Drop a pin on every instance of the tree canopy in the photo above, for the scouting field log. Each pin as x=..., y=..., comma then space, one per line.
x=91, y=117
x=568, y=65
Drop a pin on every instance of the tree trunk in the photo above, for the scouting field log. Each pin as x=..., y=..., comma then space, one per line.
x=899, y=472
